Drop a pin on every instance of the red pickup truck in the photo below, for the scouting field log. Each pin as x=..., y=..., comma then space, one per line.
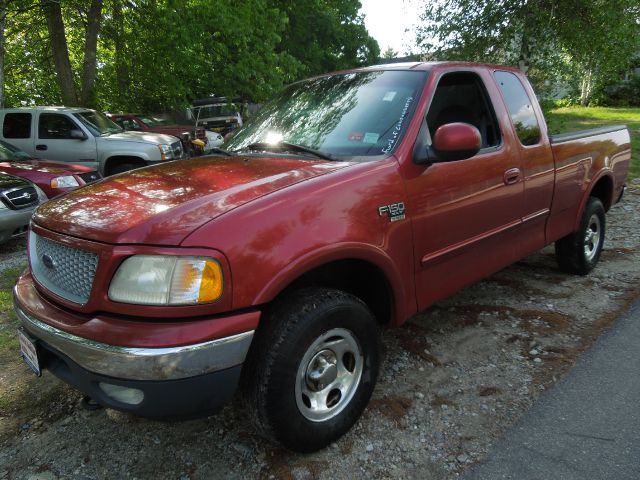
x=147, y=123
x=349, y=203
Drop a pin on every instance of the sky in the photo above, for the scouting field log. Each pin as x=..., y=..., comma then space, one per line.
x=387, y=20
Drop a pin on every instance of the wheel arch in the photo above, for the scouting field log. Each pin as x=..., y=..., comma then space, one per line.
x=115, y=160
x=602, y=188
x=365, y=272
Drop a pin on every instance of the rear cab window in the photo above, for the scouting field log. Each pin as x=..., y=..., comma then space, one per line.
x=17, y=125
x=523, y=116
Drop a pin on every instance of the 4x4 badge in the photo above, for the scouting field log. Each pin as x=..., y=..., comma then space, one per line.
x=395, y=211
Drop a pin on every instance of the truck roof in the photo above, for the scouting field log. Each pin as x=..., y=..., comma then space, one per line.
x=431, y=65
x=50, y=109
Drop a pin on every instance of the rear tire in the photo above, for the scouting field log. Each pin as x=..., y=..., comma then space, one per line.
x=579, y=252
x=312, y=369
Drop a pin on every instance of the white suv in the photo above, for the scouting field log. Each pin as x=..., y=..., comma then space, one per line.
x=86, y=137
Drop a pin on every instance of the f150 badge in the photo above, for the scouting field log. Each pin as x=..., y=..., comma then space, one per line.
x=395, y=211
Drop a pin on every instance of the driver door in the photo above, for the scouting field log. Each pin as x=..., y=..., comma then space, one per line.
x=54, y=141
x=467, y=213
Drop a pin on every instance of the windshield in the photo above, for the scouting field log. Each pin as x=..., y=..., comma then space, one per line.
x=152, y=121
x=97, y=123
x=9, y=152
x=222, y=110
x=353, y=114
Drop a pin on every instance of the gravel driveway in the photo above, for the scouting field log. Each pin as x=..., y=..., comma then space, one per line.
x=453, y=379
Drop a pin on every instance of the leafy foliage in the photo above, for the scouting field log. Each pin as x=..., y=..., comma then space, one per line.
x=155, y=55
x=587, y=42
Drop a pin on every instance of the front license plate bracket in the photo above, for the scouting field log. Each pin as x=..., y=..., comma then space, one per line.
x=29, y=351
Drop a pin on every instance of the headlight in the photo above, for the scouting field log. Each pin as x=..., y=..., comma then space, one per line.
x=166, y=153
x=42, y=197
x=64, y=182
x=167, y=280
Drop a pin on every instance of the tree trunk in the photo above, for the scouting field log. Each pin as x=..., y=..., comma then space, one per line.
x=122, y=74
x=586, y=88
x=3, y=17
x=90, y=48
x=58, y=40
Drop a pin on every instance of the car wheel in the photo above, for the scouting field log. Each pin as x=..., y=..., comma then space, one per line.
x=313, y=368
x=580, y=251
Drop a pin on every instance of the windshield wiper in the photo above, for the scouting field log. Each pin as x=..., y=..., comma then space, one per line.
x=284, y=146
x=220, y=151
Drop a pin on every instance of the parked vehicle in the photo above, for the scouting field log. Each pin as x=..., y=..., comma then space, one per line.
x=217, y=114
x=85, y=137
x=147, y=123
x=18, y=199
x=53, y=178
x=350, y=202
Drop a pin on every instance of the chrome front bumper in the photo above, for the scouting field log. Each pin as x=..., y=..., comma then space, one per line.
x=142, y=363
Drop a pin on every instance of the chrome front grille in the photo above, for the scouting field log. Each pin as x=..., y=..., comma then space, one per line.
x=21, y=197
x=66, y=271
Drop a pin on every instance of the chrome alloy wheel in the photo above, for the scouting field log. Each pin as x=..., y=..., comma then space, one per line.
x=328, y=375
x=592, y=237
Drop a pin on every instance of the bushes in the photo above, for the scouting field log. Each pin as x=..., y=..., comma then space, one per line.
x=624, y=94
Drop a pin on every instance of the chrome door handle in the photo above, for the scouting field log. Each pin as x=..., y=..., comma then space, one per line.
x=511, y=176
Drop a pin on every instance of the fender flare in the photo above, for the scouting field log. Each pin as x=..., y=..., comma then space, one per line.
x=605, y=172
x=336, y=252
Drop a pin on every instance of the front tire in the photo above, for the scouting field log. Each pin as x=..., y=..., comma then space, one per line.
x=579, y=252
x=313, y=368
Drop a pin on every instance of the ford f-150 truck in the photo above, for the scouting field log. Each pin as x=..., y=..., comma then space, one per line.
x=85, y=137
x=350, y=202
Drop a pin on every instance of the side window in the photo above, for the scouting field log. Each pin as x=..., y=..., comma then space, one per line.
x=55, y=126
x=123, y=122
x=462, y=97
x=17, y=125
x=519, y=105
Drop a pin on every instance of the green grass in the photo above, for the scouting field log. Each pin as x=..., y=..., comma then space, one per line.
x=8, y=319
x=569, y=119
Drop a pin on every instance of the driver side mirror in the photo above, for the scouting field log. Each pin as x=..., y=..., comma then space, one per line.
x=77, y=134
x=456, y=141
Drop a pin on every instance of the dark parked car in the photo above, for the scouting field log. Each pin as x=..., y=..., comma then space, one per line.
x=18, y=200
x=54, y=178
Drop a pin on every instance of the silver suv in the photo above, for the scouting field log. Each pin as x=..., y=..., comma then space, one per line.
x=86, y=137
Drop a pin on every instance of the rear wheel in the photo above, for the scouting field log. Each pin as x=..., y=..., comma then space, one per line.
x=313, y=368
x=580, y=251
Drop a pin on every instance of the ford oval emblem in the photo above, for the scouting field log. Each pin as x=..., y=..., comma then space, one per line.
x=48, y=262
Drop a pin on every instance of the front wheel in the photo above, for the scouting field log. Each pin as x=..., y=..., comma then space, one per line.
x=313, y=368
x=580, y=251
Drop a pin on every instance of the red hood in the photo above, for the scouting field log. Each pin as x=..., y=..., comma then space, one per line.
x=43, y=166
x=163, y=204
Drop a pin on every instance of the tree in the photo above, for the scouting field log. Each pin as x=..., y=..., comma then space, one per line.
x=326, y=35
x=545, y=38
x=158, y=55
x=389, y=54
x=53, y=13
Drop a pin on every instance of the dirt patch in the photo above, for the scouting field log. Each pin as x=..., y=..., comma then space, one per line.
x=393, y=408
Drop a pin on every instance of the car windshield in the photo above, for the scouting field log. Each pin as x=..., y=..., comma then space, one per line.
x=98, y=123
x=220, y=110
x=9, y=152
x=361, y=114
x=152, y=121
